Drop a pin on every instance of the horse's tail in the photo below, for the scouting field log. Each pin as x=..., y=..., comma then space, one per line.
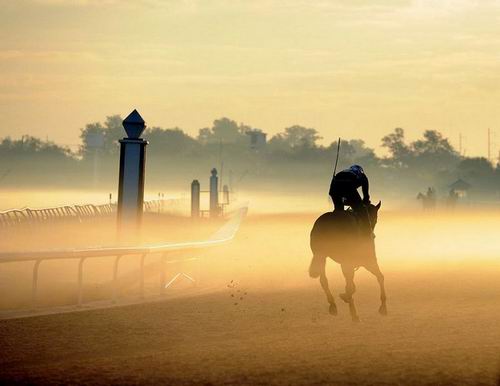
x=317, y=265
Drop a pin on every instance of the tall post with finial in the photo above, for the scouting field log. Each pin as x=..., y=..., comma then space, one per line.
x=132, y=166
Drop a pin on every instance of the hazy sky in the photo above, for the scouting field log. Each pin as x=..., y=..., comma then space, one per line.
x=350, y=68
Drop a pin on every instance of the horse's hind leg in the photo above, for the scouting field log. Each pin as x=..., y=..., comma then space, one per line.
x=374, y=268
x=324, y=284
x=350, y=288
x=318, y=268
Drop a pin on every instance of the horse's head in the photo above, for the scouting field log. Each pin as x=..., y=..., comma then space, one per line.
x=373, y=213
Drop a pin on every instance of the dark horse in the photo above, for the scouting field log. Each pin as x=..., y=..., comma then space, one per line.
x=336, y=235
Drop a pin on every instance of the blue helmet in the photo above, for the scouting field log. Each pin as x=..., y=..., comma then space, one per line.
x=356, y=169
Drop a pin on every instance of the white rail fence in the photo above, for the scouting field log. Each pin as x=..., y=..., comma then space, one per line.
x=224, y=235
x=28, y=216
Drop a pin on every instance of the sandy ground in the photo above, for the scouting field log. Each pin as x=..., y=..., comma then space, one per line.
x=256, y=318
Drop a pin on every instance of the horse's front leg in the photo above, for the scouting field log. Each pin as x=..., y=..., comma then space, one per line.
x=375, y=270
x=324, y=284
x=350, y=288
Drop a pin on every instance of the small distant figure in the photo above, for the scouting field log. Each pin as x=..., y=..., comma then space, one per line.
x=451, y=202
x=428, y=199
x=431, y=193
x=344, y=191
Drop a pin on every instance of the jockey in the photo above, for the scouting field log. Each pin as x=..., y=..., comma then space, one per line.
x=344, y=191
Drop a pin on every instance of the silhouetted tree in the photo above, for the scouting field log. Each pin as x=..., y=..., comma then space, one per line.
x=169, y=142
x=295, y=139
x=301, y=137
x=433, y=143
x=475, y=166
x=111, y=131
x=434, y=153
x=479, y=172
x=399, y=151
x=223, y=130
x=33, y=148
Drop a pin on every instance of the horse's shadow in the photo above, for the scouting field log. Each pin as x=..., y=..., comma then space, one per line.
x=336, y=235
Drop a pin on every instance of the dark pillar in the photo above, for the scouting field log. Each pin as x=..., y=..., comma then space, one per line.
x=195, y=199
x=214, y=194
x=131, y=184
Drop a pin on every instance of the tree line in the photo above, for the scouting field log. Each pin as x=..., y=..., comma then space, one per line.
x=293, y=159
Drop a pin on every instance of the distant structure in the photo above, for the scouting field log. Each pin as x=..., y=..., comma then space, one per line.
x=258, y=139
x=460, y=188
x=216, y=205
x=452, y=199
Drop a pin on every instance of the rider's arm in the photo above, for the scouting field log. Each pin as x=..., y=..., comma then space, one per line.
x=365, y=188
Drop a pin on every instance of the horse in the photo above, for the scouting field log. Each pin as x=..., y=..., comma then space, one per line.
x=428, y=202
x=336, y=235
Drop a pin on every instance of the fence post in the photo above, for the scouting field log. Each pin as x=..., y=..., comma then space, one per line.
x=195, y=199
x=34, y=286
x=80, y=282
x=214, y=194
x=162, y=273
x=141, y=283
x=115, y=278
x=131, y=183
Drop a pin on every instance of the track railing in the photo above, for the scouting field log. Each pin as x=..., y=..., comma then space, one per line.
x=28, y=216
x=224, y=235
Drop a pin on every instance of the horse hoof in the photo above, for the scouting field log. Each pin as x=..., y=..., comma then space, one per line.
x=383, y=310
x=355, y=319
x=333, y=309
x=345, y=298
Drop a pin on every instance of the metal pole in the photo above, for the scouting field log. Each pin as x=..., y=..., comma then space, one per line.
x=142, y=276
x=225, y=193
x=80, y=281
x=489, y=144
x=115, y=276
x=162, y=274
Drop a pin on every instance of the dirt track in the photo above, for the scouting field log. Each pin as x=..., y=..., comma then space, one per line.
x=442, y=327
